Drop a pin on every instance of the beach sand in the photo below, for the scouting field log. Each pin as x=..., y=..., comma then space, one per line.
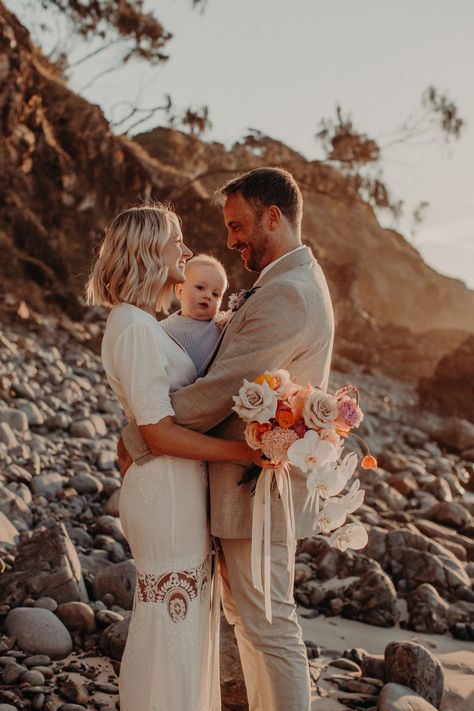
x=334, y=635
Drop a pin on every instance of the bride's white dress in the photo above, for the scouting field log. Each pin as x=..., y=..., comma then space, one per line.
x=169, y=660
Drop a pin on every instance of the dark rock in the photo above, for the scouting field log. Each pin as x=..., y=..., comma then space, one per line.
x=77, y=616
x=114, y=638
x=396, y=697
x=372, y=599
x=118, y=579
x=427, y=610
x=412, y=665
x=46, y=565
x=451, y=514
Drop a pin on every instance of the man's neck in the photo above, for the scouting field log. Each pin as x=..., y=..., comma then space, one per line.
x=277, y=259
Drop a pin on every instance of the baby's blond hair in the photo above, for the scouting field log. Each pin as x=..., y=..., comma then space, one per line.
x=208, y=260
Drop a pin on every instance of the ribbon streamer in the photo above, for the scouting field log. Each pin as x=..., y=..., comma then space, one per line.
x=261, y=531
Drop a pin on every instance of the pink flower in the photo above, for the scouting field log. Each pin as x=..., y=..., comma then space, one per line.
x=350, y=415
x=275, y=443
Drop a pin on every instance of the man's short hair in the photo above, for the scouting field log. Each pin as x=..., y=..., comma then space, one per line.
x=263, y=187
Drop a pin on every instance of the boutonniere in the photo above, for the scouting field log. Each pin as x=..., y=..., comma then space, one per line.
x=234, y=303
x=238, y=298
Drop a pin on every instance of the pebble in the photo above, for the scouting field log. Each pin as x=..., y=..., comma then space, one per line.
x=39, y=631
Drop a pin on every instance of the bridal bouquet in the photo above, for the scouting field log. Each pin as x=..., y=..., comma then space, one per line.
x=307, y=427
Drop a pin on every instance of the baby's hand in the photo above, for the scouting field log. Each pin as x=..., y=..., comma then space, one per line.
x=222, y=319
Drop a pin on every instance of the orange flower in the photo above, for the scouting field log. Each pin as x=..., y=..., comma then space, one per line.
x=285, y=419
x=369, y=462
x=270, y=380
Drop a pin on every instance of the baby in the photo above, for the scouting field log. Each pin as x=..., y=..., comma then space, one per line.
x=194, y=326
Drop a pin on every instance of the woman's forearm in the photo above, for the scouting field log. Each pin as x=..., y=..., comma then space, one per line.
x=166, y=437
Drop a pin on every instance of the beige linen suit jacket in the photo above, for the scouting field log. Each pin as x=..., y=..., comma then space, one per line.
x=286, y=323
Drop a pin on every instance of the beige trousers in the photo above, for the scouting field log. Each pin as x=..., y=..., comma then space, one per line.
x=273, y=655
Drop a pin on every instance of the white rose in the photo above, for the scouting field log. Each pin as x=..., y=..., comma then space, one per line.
x=255, y=402
x=319, y=410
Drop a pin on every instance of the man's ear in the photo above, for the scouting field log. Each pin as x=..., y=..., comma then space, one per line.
x=273, y=217
x=178, y=290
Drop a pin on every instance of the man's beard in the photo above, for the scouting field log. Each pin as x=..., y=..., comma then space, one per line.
x=257, y=250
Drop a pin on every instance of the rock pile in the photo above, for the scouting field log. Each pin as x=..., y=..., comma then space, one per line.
x=67, y=581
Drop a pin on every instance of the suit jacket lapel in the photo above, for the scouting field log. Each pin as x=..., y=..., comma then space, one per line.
x=300, y=258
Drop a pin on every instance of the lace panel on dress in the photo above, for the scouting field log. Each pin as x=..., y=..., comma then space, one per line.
x=175, y=589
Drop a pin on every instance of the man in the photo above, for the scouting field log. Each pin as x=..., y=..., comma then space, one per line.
x=286, y=322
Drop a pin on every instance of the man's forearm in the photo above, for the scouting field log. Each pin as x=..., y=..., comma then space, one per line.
x=135, y=444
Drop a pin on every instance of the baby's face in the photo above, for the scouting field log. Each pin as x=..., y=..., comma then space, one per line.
x=202, y=292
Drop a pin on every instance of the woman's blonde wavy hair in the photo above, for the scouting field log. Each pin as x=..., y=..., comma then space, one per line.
x=129, y=268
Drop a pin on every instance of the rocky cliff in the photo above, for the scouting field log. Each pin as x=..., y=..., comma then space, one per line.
x=63, y=174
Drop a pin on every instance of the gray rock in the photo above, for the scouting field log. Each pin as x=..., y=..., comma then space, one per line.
x=118, y=579
x=85, y=483
x=7, y=436
x=46, y=565
x=47, y=603
x=110, y=526
x=99, y=424
x=17, y=419
x=106, y=461
x=39, y=631
x=114, y=638
x=59, y=421
x=412, y=665
x=37, y=660
x=8, y=707
x=396, y=697
x=33, y=677
x=8, y=532
x=14, y=507
x=18, y=474
x=48, y=484
x=77, y=616
x=32, y=412
x=84, y=429
x=112, y=506
x=12, y=673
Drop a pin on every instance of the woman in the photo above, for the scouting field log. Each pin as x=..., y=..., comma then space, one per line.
x=163, y=503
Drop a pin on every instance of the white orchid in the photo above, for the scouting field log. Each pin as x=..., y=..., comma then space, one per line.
x=255, y=402
x=311, y=453
x=331, y=479
x=352, y=535
x=335, y=510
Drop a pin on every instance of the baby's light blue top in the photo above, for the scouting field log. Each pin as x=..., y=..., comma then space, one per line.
x=198, y=338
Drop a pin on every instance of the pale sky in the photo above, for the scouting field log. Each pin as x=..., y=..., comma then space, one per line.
x=281, y=66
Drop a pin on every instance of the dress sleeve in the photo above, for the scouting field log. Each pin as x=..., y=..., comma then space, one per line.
x=139, y=363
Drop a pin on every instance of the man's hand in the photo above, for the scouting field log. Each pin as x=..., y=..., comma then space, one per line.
x=124, y=459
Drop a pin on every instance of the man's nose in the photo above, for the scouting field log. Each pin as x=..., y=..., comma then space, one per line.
x=230, y=240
